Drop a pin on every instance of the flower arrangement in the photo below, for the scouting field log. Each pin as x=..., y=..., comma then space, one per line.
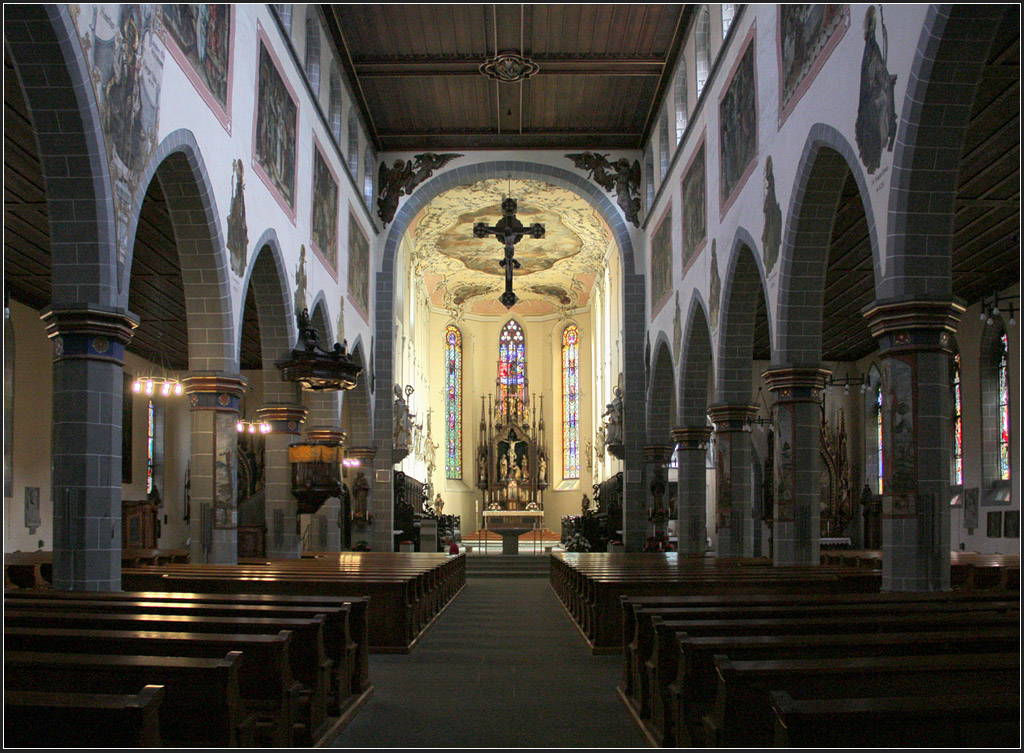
x=577, y=543
x=533, y=506
x=362, y=518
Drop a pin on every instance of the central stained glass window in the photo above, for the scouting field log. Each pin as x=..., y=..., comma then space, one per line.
x=571, y=402
x=453, y=402
x=512, y=370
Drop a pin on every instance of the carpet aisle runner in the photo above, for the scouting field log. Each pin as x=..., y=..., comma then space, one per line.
x=503, y=666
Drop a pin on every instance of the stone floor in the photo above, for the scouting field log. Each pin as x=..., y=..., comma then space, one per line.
x=503, y=666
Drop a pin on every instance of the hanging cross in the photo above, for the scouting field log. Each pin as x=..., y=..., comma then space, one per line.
x=509, y=231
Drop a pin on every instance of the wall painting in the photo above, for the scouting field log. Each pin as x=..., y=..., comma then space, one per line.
x=771, y=235
x=325, y=211
x=126, y=68
x=737, y=111
x=300, y=281
x=695, y=215
x=200, y=38
x=661, y=262
x=238, y=230
x=715, y=288
x=806, y=36
x=277, y=123
x=358, y=268
x=876, y=113
x=898, y=418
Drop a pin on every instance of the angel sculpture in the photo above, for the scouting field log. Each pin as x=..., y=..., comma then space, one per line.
x=403, y=177
x=620, y=176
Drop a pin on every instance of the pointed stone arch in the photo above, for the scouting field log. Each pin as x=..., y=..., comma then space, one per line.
x=661, y=394
x=51, y=68
x=743, y=284
x=696, y=370
x=179, y=167
x=827, y=162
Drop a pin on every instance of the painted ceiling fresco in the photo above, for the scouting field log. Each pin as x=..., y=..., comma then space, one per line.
x=461, y=272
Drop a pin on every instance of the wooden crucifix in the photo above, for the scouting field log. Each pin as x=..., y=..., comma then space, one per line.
x=509, y=231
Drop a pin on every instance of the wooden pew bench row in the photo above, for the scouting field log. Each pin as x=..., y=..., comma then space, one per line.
x=670, y=678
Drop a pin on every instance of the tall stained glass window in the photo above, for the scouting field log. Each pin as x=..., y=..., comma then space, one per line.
x=878, y=437
x=150, y=444
x=571, y=402
x=453, y=402
x=703, y=37
x=512, y=369
x=1004, y=408
x=958, y=431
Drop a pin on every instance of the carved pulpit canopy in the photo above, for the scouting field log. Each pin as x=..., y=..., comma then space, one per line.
x=315, y=368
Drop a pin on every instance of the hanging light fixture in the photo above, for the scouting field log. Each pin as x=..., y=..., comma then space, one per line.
x=252, y=427
x=162, y=384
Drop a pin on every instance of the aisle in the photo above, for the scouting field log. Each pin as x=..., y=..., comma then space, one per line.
x=503, y=666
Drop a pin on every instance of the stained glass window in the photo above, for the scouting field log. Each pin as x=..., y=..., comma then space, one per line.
x=1004, y=409
x=878, y=436
x=512, y=369
x=453, y=402
x=728, y=13
x=703, y=35
x=681, y=101
x=571, y=402
x=150, y=444
x=958, y=433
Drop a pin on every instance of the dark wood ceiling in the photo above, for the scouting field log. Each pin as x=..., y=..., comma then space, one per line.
x=415, y=72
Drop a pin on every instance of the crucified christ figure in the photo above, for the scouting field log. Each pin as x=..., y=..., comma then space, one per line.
x=509, y=231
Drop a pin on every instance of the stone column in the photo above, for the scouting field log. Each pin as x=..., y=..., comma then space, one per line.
x=284, y=540
x=915, y=339
x=796, y=530
x=733, y=454
x=88, y=382
x=656, y=485
x=330, y=511
x=691, y=488
x=367, y=519
x=213, y=469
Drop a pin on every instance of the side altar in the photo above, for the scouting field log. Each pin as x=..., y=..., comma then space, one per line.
x=512, y=459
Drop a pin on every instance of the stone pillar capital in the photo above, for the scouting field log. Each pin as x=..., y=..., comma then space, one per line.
x=366, y=454
x=326, y=435
x=91, y=332
x=913, y=325
x=214, y=390
x=283, y=418
x=731, y=417
x=658, y=453
x=692, y=437
x=796, y=384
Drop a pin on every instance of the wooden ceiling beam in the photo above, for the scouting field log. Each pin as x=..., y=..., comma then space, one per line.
x=447, y=68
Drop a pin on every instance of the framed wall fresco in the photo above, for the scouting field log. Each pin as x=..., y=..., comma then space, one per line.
x=737, y=123
x=358, y=268
x=201, y=39
x=805, y=37
x=695, y=213
x=324, y=223
x=661, y=262
x=126, y=67
x=276, y=128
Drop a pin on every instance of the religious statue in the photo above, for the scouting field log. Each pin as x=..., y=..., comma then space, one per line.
x=542, y=466
x=481, y=465
x=403, y=420
x=360, y=490
x=504, y=468
x=585, y=504
x=438, y=503
x=403, y=177
x=620, y=176
x=613, y=422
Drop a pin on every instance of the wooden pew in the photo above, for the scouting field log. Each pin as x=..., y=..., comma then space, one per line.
x=743, y=717
x=691, y=694
x=655, y=652
x=264, y=677
x=356, y=618
x=309, y=663
x=964, y=719
x=338, y=645
x=55, y=719
x=201, y=705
